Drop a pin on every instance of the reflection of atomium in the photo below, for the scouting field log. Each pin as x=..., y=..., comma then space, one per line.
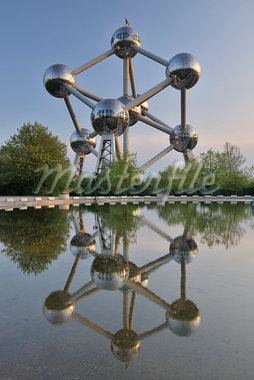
x=56, y=309
x=109, y=272
x=112, y=118
x=183, y=248
x=125, y=345
x=112, y=271
x=82, y=244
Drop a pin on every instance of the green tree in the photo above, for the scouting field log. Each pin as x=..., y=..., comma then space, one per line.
x=228, y=168
x=34, y=238
x=32, y=147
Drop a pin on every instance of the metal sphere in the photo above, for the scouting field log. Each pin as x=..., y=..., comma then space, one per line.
x=55, y=77
x=125, y=345
x=109, y=272
x=183, y=249
x=81, y=244
x=144, y=106
x=184, y=138
x=134, y=113
x=185, y=319
x=56, y=308
x=109, y=116
x=80, y=143
x=186, y=69
x=123, y=41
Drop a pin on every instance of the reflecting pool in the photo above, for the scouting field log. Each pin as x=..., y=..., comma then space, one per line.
x=122, y=292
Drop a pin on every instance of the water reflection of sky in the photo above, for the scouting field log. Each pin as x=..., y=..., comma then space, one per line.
x=218, y=281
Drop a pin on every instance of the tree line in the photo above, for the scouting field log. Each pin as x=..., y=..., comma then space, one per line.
x=34, y=146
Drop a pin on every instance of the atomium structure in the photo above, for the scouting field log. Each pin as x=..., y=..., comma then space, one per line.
x=112, y=118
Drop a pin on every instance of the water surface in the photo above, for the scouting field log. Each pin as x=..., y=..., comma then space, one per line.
x=127, y=292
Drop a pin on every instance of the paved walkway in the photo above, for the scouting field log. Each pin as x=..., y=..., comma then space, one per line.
x=8, y=203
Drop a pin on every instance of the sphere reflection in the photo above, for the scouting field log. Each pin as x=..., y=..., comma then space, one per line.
x=109, y=272
x=56, y=308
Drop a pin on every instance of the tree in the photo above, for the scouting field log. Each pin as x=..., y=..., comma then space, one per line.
x=32, y=147
x=228, y=168
x=33, y=239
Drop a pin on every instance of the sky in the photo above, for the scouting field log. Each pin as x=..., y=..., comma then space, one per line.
x=36, y=34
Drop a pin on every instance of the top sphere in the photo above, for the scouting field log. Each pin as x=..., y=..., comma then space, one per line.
x=186, y=68
x=55, y=77
x=123, y=40
x=109, y=116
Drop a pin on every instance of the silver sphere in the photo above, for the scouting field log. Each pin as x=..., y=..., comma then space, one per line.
x=134, y=113
x=56, y=308
x=109, y=272
x=125, y=345
x=81, y=244
x=144, y=106
x=55, y=77
x=81, y=143
x=123, y=41
x=185, y=319
x=186, y=68
x=183, y=249
x=184, y=138
x=109, y=116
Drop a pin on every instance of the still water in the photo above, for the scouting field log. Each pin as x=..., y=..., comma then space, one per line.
x=119, y=292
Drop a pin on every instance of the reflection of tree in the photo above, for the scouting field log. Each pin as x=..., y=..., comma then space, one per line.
x=217, y=224
x=33, y=239
x=120, y=219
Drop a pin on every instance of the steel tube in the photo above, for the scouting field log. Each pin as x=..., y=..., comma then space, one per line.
x=148, y=294
x=156, y=125
x=89, y=94
x=156, y=229
x=92, y=325
x=132, y=79
x=81, y=291
x=126, y=76
x=148, y=94
x=118, y=147
x=92, y=134
x=157, y=157
x=183, y=108
x=150, y=55
x=72, y=273
x=72, y=114
x=92, y=150
x=81, y=97
x=157, y=329
x=132, y=307
x=150, y=116
x=126, y=309
x=153, y=265
x=93, y=62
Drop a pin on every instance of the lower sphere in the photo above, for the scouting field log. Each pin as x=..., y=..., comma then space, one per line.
x=81, y=143
x=184, y=138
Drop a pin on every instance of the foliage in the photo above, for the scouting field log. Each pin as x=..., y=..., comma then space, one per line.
x=32, y=147
x=33, y=239
x=215, y=224
x=227, y=167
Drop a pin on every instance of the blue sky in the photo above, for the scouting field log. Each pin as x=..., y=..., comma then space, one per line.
x=36, y=34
